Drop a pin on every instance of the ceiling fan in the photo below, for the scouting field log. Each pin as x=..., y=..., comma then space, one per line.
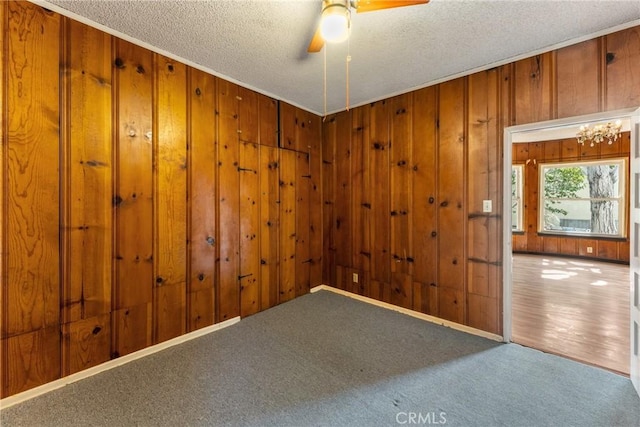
x=335, y=21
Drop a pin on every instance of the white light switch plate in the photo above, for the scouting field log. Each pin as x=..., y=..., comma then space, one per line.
x=487, y=206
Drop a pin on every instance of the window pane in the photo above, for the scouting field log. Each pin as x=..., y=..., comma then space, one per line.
x=516, y=197
x=583, y=197
x=581, y=216
x=515, y=216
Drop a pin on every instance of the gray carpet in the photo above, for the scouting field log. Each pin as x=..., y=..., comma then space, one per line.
x=328, y=360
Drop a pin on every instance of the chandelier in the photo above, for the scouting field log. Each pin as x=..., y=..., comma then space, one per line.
x=609, y=132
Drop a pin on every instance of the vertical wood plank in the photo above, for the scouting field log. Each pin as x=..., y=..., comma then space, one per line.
x=3, y=201
x=32, y=291
x=133, y=199
x=379, y=147
x=361, y=193
x=622, y=58
x=342, y=207
x=268, y=116
x=451, y=215
x=578, y=79
x=312, y=137
x=303, y=255
x=288, y=124
x=534, y=242
x=249, y=134
x=287, y=225
x=170, y=150
x=269, y=226
x=401, y=191
x=401, y=290
x=203, y=242
x=87, y=290
x=483, y=183
x=229, y=200
x=534, y=89
x=570, y=149
x=424, y=221
x=131, y=329
x=249, y=223
x=31, y=202
x=87, y=343
x=248, y=115
x=34, y=359
x=483, y=313
x=329, y=135
x=551, y=150
x=201, y=311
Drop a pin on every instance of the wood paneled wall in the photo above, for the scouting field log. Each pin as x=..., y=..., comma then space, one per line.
x=530, y=155
x=141, y=198
x=404, y=178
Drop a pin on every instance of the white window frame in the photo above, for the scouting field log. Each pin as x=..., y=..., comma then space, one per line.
x=622, y=199
x=518, y=225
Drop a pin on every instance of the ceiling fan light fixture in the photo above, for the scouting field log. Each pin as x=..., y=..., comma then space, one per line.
x=335, y=24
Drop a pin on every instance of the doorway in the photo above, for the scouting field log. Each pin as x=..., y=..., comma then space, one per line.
x=548, y=131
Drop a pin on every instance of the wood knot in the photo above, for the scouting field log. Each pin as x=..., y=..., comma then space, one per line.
x=170, y=68
x=119, y=63
x=201, y=277
x=610, y=57
x=96, y=330
x=198, y=91
x=140, y=69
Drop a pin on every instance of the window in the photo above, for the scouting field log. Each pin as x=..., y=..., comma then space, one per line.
x=584, y=198
x=516, y=197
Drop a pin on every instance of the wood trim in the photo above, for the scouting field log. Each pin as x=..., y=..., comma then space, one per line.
x=417, y=315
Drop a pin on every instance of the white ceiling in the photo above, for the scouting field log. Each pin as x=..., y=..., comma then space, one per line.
x=262, y=44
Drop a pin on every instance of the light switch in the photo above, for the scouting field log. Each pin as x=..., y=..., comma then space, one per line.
x=487, y=206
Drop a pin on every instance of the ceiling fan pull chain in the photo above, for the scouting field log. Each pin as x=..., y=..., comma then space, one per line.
x=348, y=60
x=324, y=82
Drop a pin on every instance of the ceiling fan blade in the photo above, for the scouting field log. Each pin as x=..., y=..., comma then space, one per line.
x=373, y=5
x=317, y=42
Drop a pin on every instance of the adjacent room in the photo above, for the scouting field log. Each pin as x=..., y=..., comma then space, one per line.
x=319, y=212
x=570, y=233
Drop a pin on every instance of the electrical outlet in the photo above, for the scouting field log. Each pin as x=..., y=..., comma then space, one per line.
x=487, y=206
x=589, y=250
x=355, y=277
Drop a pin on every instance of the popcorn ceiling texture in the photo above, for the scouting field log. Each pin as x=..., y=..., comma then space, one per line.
x=262, y=44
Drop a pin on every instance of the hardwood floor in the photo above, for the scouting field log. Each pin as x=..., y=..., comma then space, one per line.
x=572, y=307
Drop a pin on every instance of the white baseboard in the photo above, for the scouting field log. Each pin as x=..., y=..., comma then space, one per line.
x=416, y=314
x=59, y=383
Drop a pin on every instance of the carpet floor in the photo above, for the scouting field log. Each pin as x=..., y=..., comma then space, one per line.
x=329, y=360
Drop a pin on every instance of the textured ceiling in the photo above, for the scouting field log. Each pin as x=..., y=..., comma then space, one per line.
x=261, y=44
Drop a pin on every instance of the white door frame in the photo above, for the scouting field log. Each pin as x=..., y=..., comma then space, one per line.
x=550, y=130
